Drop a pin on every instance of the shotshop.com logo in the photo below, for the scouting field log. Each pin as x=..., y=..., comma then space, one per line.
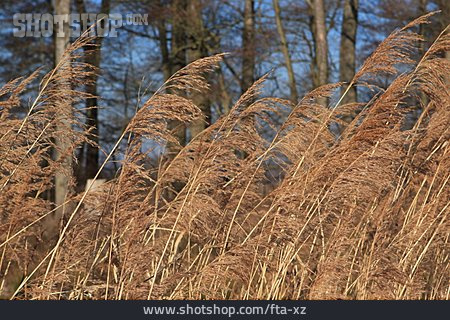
x=99, y=24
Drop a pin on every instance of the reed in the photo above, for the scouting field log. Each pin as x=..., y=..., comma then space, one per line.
x=359, y=216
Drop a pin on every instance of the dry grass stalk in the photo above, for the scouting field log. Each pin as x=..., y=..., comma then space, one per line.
x=364, y=216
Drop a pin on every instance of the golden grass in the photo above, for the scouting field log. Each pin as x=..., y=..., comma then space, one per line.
x=362, y=216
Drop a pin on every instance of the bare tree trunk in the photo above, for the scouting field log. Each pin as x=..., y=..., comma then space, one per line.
x=285, y=50
x=225, y=99
x=62, y=7
x=422, y=10
x=347, y=54
x=248, y=53
x=320, y=61
x=172, y=61
x=94, y=59
x=320, y=38
x=92, y=157
x=248, y=46
x=163, y=46
x=197, y=50
x=14, y=274
x=177, y=61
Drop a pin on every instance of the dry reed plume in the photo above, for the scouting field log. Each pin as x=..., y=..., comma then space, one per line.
x=359, y=216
